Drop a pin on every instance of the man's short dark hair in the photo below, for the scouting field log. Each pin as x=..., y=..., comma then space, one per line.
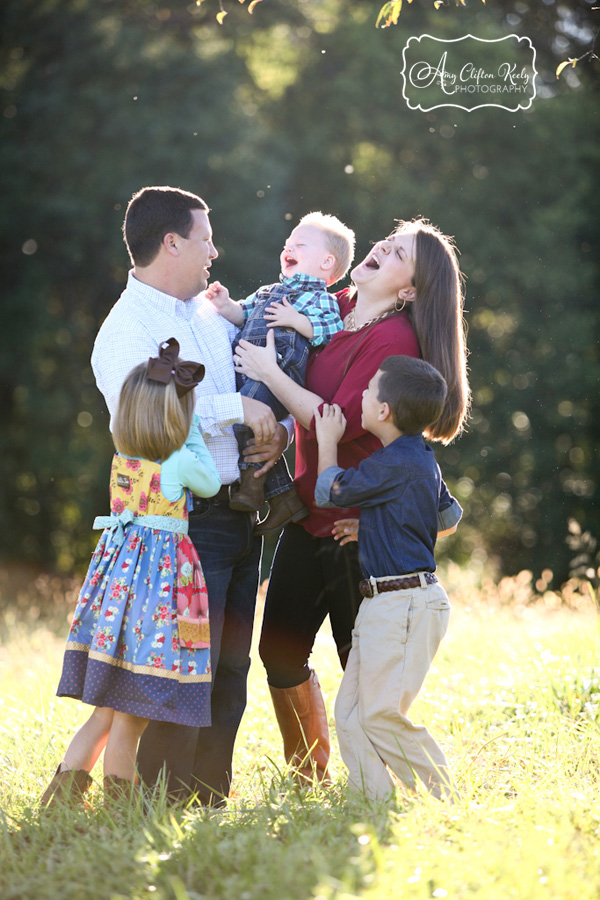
x=154, y=212
x=414, y=390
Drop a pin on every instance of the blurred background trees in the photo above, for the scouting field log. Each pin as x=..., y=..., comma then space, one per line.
x=299, y=107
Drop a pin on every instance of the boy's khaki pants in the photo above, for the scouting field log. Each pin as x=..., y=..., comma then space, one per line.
x=395, y=637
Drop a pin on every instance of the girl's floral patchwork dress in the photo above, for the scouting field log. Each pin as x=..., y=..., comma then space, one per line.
x=139, y=642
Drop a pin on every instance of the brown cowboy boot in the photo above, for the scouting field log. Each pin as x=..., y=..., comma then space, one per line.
x=251, y=494
x=119, y=790
x=68, y=786
x=283, y=509
x=302, y=720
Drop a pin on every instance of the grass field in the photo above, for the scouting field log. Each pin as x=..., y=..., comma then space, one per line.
x=514, y=697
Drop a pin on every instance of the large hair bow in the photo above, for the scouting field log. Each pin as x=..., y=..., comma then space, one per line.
x=167, y=365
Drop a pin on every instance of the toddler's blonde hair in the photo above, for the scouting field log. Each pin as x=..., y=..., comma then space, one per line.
x=339, y=240
x=151, y=420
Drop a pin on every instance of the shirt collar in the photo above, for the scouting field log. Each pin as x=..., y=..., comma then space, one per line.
x=298, y=279
x=165, y=302
x=414, y=439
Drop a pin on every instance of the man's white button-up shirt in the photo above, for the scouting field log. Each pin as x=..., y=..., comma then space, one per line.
x=139, y=321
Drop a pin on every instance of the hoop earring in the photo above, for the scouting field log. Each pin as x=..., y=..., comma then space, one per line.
x=399, y=308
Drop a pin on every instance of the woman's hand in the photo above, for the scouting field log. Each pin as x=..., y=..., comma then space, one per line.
x=260, y=364
x=345, y=530
x=256, y=362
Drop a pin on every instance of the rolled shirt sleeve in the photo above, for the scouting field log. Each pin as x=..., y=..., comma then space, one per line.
x=450, y=516
x=217, y=412
x=325, y=482
x=449, y=510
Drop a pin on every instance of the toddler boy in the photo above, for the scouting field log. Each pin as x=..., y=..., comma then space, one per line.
x=317, y=253
x=404, y=504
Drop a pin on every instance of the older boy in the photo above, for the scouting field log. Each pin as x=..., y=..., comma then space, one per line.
x=317, y=253
x=405, y=613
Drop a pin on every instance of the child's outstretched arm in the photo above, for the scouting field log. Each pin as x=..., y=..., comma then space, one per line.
x=222, y=302
x=329, y=426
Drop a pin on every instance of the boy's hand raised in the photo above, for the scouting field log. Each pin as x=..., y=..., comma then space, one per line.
x=222, y=302
x=217, y=293
x=330, y=425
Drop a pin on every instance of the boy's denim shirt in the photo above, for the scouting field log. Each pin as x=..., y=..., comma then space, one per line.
x=403, y=502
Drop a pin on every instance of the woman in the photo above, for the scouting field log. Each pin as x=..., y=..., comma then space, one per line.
x=408, y=300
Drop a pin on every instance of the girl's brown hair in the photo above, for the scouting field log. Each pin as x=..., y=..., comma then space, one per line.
x=151, y=420
x=438, y=321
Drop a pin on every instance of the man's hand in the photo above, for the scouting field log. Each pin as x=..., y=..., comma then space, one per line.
x=330, y=425
x=259, y=417
x=222, y=302
x=285, y=315
x=345, y=530
x=267, y=453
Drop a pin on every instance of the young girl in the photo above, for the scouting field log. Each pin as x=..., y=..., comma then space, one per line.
x=138, y=648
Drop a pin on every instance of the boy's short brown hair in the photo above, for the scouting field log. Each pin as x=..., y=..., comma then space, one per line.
x=339, y=240
x=414, y=390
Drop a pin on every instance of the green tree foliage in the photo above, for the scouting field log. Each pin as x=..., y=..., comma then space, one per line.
x=570, y=20
x=295, y=108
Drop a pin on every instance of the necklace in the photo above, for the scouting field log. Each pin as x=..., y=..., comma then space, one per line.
x=351, y=319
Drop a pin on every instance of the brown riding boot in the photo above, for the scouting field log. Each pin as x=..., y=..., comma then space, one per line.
x=283, y=509
x=302, y=720
x=118, y=791
x=68, y=786
x=251, y=494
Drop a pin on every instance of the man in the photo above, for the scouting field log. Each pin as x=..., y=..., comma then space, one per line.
x=169, y=238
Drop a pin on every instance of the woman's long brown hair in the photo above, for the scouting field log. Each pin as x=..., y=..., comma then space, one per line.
x=438, y=321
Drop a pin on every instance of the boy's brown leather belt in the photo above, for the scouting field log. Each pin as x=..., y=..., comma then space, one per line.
x=367, y=587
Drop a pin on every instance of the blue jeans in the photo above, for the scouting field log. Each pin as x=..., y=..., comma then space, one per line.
x=200, y=759
x=292, y=355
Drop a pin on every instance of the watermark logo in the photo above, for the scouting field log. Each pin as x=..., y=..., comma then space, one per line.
x=469, y=72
